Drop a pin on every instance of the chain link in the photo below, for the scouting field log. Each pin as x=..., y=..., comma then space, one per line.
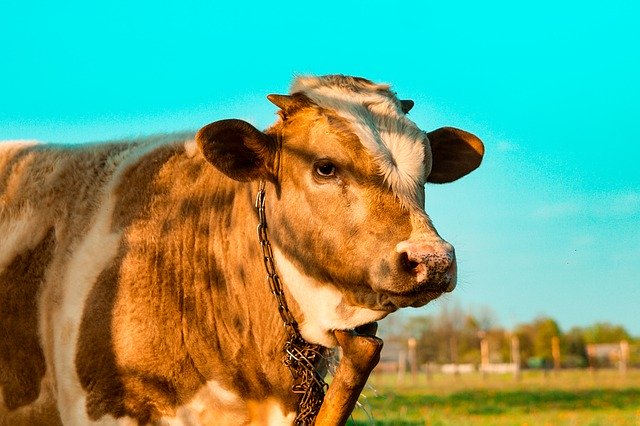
x=300, y=356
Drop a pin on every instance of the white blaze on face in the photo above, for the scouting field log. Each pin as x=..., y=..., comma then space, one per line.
x=396, y=143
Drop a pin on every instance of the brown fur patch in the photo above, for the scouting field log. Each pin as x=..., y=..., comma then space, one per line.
x=22, y=364
x=177, y=308
x=43, y=412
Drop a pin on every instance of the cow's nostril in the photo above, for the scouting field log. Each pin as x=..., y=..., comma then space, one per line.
x=408, y=264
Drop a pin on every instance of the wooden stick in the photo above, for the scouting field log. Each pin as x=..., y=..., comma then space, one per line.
x=360, y=354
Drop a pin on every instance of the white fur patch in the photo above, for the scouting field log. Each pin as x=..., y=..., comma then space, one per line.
x=275, y=415
x=212, y=403
x=17, y=143
x=395, y=142
x=221, y=394
x=190, y=148
x=91, y=256
x=323, y=306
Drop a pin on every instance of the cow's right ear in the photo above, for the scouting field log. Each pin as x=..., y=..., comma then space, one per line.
x=238, y=149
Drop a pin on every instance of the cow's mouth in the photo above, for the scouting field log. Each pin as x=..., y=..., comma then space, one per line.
x=369, y=329
x=365, y=330
x=390, y=299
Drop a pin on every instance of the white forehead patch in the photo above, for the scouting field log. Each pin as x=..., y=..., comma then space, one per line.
x=395, y=142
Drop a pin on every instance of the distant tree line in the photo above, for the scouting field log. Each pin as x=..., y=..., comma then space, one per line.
x=453, y=335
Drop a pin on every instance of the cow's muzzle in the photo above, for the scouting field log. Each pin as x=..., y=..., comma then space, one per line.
x=432, y=263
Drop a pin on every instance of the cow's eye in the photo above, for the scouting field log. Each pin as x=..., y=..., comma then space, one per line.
x=325, y=169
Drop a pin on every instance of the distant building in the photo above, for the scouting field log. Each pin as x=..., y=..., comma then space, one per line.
x=608, y=354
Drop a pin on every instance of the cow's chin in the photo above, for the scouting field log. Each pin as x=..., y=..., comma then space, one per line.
x=319, y=327
x=414, y=300
x=334, y=310
x=391, y=301
x=355, y=310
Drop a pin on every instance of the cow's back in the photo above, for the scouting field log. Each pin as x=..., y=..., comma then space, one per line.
x=55, y=217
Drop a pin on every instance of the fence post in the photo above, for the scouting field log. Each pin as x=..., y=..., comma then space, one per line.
x=413, y=359
x=515, y=356
x=624, y=356
x=453, y=347
x=593, y=360
x=402, y=366
x=484, y=356
x=555, y=352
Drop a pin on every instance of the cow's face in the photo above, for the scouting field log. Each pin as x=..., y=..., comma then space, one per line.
x=346, y=214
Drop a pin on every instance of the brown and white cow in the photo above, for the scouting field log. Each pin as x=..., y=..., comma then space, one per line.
x=132, y=283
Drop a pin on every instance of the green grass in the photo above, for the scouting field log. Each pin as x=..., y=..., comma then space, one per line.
x=565, y=398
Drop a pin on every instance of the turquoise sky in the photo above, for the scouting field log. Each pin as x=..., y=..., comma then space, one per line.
x=550, y=224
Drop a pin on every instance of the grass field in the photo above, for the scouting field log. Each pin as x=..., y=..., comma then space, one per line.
x=575, y=397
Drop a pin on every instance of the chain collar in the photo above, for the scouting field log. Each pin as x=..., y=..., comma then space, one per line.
x=300, y=356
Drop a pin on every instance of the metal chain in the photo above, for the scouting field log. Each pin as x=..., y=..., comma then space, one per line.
x=300, y=356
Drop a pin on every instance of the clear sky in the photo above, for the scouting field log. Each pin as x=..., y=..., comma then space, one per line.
x=550, y=224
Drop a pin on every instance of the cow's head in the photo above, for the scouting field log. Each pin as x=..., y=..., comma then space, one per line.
x=352, y=240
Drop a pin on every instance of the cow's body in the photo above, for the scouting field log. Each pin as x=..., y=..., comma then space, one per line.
x=132, y=284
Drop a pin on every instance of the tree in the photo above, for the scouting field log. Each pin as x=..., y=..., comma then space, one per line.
x=604, y=332
x=545, y=329
x=535, y=340
x=574, y=348
x=526, y=335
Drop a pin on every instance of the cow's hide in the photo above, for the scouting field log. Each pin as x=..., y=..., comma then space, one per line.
x=132, y=282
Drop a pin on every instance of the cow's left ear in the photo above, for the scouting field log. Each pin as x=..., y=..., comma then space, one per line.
x=238, y=149
x=455, y=153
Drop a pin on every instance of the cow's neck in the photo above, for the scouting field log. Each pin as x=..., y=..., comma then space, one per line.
x=255, y=332
x=235, y=335
x=195, y=266
x=301, y=357
x=208, y=268
x=189, y=279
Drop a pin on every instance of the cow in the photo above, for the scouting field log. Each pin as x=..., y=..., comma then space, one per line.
x=134, y=288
